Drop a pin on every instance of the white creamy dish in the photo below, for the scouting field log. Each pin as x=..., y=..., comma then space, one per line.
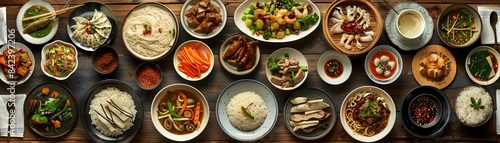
x=410, y=24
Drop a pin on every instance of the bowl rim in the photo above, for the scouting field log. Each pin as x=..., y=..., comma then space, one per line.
x=28, y=38
x=212, y=34
x=474, y=12
x=203, y=75
x=496, y=56
x=175, y=39
x=379, y=135
x=419, y=15
x=167, y=134
x=378, y=17
x=141, y=67
x=341, y=57
x=100, y=49
x=399, y=67
x=227, y=66
x=490, y=114
x=42, y=60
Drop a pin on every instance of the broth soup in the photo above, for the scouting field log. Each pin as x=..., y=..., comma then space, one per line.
x=180, y=112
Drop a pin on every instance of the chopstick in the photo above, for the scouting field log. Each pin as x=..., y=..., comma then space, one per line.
x=51, y=14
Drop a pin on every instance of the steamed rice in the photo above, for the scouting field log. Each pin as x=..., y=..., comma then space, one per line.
x=123, y=99
x=257, y=109
x=466, y=113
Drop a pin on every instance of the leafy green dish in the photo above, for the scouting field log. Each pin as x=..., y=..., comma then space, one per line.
x=50, y=110
x=482, y=65
x=457, y=26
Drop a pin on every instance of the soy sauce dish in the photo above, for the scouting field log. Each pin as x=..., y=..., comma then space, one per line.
x=426, y=111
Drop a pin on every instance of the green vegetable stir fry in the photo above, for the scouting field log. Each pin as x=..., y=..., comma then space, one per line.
x=458, y=26
x=276, y=19
x=60, y=60
x=51, y=111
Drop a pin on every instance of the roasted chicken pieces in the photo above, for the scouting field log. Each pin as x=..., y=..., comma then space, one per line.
x=204, y=16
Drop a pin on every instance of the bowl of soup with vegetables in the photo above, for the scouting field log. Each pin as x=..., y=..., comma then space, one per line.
x=459, y=26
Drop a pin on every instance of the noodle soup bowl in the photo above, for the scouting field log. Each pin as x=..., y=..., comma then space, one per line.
x=441, y=25
x=190, y=91
x=345, y=121
x=152, y=41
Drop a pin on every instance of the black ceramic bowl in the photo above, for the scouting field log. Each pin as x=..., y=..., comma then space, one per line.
x=141, y=67
x=86, y=121
x=435, y=105
x=436, y=127
x=99, y=52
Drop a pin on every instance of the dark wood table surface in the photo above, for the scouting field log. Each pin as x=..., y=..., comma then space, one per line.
x=311, y=46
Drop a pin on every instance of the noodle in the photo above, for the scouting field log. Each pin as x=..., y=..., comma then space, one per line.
x=367, y=113
x=159, y=39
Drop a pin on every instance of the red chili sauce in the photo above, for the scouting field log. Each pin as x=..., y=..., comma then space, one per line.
x=106, y=61
x=149, y=77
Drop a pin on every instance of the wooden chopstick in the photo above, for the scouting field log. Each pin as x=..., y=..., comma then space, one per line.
x=51, y=14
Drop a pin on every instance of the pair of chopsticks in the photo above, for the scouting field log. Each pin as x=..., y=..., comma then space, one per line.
x=51, y=14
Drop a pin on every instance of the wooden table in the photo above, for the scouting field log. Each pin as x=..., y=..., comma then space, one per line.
x=311, y=46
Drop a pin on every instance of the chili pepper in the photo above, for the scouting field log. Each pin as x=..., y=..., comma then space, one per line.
x=246, y=112
x=197, y=113
x=171, y=110
x=184, y=104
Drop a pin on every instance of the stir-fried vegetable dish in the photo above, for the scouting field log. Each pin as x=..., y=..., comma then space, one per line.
x=278, y=18
x=50, y=109
x=60, y=60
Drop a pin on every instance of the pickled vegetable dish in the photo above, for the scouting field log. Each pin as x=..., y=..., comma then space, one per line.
x=60, y=60
x=180, y=112
x=276, y=19
x=457, y=26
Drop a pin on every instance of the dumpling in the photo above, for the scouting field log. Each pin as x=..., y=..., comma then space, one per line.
x=95, y=38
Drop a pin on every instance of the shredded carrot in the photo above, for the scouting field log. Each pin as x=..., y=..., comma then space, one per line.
x=193, y=61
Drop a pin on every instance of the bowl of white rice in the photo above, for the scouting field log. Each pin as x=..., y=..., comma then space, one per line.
x=474, y=106
x=246, y=110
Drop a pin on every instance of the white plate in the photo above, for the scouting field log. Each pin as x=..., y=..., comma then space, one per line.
x=46, y=49
x=189, y=4
x=27, y=37
x=242, y=86
x=392, y=116
x=397, y=39
x=496, y=56
x=87, y=11
x=32, y=67
x=203, y=49
x=399, y=66
x=288, y=38
x=342, y=58
x=293, y=53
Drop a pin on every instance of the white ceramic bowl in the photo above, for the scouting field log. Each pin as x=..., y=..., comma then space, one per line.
x=293, y=53
x=342, y=58
x=392, y=116
x=170, y=45
x=495, y=54
x=190, y=91
x=414, y=15
x=399, y=64
x=46, y=49
x=231, y=68
x=29, y=38
x=25, y=48
x=241, y=86
x=189, y=4
x=203, y=49
x=288, y=38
